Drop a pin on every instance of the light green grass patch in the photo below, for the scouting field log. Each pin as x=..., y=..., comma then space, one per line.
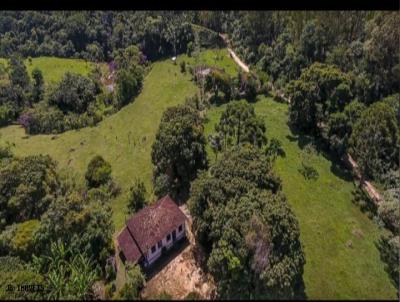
x=53, y=68
x=212, y=57
x=136, y=123
x=327, y=219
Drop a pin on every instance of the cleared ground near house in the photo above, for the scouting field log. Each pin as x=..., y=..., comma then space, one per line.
x=54, y=68
x=338, y=239
x=124, y=139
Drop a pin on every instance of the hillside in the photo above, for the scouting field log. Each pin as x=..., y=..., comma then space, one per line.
x=329, y=221
x=124, y=139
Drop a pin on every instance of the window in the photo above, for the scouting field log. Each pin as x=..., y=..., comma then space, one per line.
x=153, y=249
x=159, y=244
x=168, y=237
x=180, y=228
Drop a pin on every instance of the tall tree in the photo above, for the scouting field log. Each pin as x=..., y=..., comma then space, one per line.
x=375, y=140
x=179, y=150
x=38, y=85
x=243, y=220
x=239, y=125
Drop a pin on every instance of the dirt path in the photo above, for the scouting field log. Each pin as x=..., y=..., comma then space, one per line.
x=368, y=187
x=233, y=54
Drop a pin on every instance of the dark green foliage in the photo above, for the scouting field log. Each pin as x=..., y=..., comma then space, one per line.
x=94, y=35
x=389, y=247
x=18, y=73
x=74, y=93
x=137, y=196
x=18, y=239
x=243, y=220
x=68, y=273
x=5, y=115
x=15, y=272
x=38, y=85
x=240, y=125
x=183, y=66
x=129, y=83
x=307, y=170
x=219, y=81
x=320, y=90
x=193, y=296
x=340, y=126
x=27, y=185
x=314, y=42
x=274, y=149
x=179, y=150
x=81, y=224
x=129, y=75
x=98, y=172
x=133, y=285
x=164, y=296
x=375, y=140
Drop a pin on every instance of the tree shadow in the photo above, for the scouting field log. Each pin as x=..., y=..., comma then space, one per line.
x=300, y=291
x=166, y=258
x=322, y=148
x=340, y=171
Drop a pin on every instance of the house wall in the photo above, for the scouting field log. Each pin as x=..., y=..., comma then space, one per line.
x=151, y=257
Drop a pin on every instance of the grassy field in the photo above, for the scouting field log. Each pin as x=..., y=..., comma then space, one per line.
x=136, y=123
x=54, y=68
x=328, y=219
x=212, y=57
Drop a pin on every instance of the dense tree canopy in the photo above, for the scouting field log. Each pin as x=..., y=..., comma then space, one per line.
x=98, y=172
x=74, y=93
x=321, y=89
x=27, y=185
x=243, y=220
x=239, y=124
x=375, y=140
x=178, y=151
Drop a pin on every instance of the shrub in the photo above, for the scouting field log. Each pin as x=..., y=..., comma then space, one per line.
x=183, y=66
x=98, y=172
x=137, y=198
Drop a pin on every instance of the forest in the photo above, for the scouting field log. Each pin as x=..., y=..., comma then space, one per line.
x=83, y=150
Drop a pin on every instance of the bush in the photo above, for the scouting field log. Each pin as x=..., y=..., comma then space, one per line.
x=5, y=115
x=183, y=66
x=74, y=93
x=137, y=198
x=308, y=172
x=17, y=239
x=164, y=296
x=193, y=296
x=42, y=119
x=98, y=172
x=109, y=290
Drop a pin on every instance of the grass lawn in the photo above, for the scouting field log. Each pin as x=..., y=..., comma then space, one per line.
x=212, y=57
x=328, y=219
x=54, y=68
x=137, y=122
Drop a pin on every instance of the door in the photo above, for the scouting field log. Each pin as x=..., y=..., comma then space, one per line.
x=173, y=235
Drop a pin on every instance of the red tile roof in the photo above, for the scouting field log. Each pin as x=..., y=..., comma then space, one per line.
x=148, y=226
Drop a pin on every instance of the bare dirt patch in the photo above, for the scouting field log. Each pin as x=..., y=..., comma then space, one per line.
x=179, y=277
x=183, y=273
